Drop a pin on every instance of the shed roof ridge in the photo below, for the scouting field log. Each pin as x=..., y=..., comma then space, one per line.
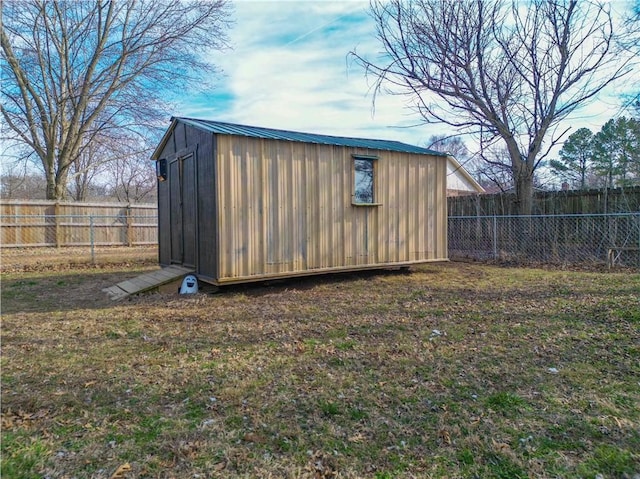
x=300, y=136
x=281, y=130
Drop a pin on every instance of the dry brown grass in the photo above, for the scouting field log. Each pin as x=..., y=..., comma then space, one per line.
x=14, y=260
x=444, y=372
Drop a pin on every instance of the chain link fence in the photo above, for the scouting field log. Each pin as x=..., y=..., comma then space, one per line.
x=34, y=241
x=41, y=240
x=603, y=239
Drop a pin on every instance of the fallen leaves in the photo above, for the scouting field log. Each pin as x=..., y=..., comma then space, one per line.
x=220, y=466
x=255, y=438
x=499, y=446
x=121, y=471
x=321, y=466
x=21, y=419
x=445, y=437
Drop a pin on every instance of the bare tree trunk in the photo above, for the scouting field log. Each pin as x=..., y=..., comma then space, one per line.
x=60, y=192
x=524, y=192
x=51, y=189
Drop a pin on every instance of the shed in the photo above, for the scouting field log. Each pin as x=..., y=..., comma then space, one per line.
x=241, y=203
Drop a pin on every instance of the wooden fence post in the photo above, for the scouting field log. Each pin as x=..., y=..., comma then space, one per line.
x=56, y=219
x=129, y=226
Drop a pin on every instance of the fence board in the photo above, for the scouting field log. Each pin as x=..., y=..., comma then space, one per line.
x=599, y=201
x=48, y=223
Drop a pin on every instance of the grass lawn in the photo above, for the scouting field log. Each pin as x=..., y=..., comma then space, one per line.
x=452, y=370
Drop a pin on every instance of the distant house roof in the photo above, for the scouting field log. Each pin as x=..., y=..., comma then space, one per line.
x=286, y=135
x=459, y=180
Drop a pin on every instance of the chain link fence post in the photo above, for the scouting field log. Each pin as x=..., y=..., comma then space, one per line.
x=495, y=237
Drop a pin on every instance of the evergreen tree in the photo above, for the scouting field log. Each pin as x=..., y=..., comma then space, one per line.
x=575, y=159
x=617, y=152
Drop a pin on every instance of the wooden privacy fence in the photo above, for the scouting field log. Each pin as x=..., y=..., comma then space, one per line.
x=49, y=223
x=596, y=201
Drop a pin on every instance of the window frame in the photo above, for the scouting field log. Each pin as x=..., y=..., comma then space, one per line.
x=354, y=175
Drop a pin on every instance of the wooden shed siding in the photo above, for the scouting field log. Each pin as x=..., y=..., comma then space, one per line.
x=192, y=222
x=285, y=207
x=164, y=211
x=206, y=205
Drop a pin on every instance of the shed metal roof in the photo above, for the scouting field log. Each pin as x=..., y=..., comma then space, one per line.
x=285, y=135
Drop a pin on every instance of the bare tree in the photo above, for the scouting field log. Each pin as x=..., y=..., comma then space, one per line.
x=453, y=145
x=73, y=71
x=16, y=182
x=132, y=178
x=507, y=72
x=84, y=170
x=494, y=174
x=629, y=40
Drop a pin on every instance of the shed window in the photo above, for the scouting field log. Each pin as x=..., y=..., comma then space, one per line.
x=364, y=181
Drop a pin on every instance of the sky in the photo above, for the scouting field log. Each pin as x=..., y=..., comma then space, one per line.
x=288, y=68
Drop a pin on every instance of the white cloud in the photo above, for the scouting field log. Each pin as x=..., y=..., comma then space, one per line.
x=289, y=69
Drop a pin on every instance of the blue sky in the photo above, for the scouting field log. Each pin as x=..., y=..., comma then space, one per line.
x=288, y=69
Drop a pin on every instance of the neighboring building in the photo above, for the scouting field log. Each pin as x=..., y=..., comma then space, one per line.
x=459, y=181
x=242, y=203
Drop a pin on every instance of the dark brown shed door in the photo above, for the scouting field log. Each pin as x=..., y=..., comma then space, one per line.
x=183, y=210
